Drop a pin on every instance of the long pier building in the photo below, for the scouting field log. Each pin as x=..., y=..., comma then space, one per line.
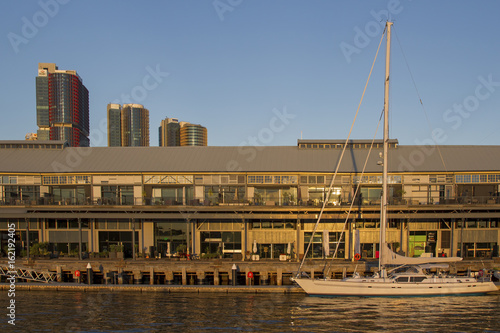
x=249, y=202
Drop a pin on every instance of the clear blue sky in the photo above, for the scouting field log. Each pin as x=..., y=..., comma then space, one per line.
x=234, y=64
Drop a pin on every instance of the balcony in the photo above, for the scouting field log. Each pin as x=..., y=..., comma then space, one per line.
x=270, y=202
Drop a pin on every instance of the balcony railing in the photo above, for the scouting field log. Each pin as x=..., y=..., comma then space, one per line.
x=141, y=201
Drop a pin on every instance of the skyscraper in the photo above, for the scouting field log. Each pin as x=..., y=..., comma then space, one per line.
x=128, y=125
x=114, y=125
x=192, y=135
x=174, y=133
x=169, y=134
x=62, y=106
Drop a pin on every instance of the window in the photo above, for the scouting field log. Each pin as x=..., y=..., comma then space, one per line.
x=221, y=243
x=108, y=238
x=170, y=236
x=270, y=179
x=471, y=224
x=62, y=224
x=321, y=248
x=417, y=278
x=272, y=250
x=285, y=224
x=117, y=195
x=445, y=239
x=482, y=224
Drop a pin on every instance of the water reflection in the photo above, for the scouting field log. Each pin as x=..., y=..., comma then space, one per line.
x=39, y=311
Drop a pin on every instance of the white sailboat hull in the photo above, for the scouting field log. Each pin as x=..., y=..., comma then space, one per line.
x=387, y=287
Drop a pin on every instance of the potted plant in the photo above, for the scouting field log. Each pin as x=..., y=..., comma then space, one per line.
x=119, y=251
x=35, y=250
x=258, y=198
x=116, y=251
x=112, y=251
x=181, y=250
x=73, y=253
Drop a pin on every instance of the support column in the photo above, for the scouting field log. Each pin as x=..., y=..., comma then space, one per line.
x=216, y=277
x=27, y=237
x=151, y=276
x=59, y=273
x=245, y=240
x=184, y=277
x=452, y=238
x=133, y=239
x=264, y=278
x=298, y=244
x=42, y=224
x=169, y=277
x=107, y=276
x=188, y=240
x=349, y=243
x=80, y=238
x=279, y=278
x=401, y=236
x=200, y=275
x=462, y=238
x=120, y=275
x=91, y=231
x=137, y=277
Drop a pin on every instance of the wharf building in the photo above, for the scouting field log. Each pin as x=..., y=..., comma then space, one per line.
x=174, y=133
x=128, y=125
x=235, y=202
x=62, y=106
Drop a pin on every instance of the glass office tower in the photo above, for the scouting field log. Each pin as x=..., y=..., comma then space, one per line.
x=169, y=132
x=134, y=125
x=114, y=125
x=192, y=135
x=128, y=125
x=62, y=106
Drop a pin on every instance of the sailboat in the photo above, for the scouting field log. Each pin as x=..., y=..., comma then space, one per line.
x=416, y=280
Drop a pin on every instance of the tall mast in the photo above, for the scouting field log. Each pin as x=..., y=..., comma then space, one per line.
x=383, y=213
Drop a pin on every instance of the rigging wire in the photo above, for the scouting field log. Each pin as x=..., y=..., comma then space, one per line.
x=420, y=100
x=354, y=196
x=339, y=161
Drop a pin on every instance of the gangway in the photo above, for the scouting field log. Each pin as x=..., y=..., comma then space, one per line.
x=28, y=274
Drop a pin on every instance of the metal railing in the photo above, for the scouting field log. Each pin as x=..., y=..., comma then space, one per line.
x=154, y=201
x=28, y=274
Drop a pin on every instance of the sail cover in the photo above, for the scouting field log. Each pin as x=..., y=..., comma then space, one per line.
x=389, y=257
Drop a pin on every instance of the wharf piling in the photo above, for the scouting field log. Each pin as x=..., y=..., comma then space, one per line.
x=167, y=272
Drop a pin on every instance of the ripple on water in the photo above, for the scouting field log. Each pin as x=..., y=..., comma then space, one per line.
x=42, y=311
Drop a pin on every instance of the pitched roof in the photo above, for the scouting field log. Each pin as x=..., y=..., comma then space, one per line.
x=246, y=159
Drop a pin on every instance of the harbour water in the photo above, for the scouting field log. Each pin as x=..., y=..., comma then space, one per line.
x=79, y=311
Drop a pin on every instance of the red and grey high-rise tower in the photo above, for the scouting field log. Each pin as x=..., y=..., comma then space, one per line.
x=62, y=106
